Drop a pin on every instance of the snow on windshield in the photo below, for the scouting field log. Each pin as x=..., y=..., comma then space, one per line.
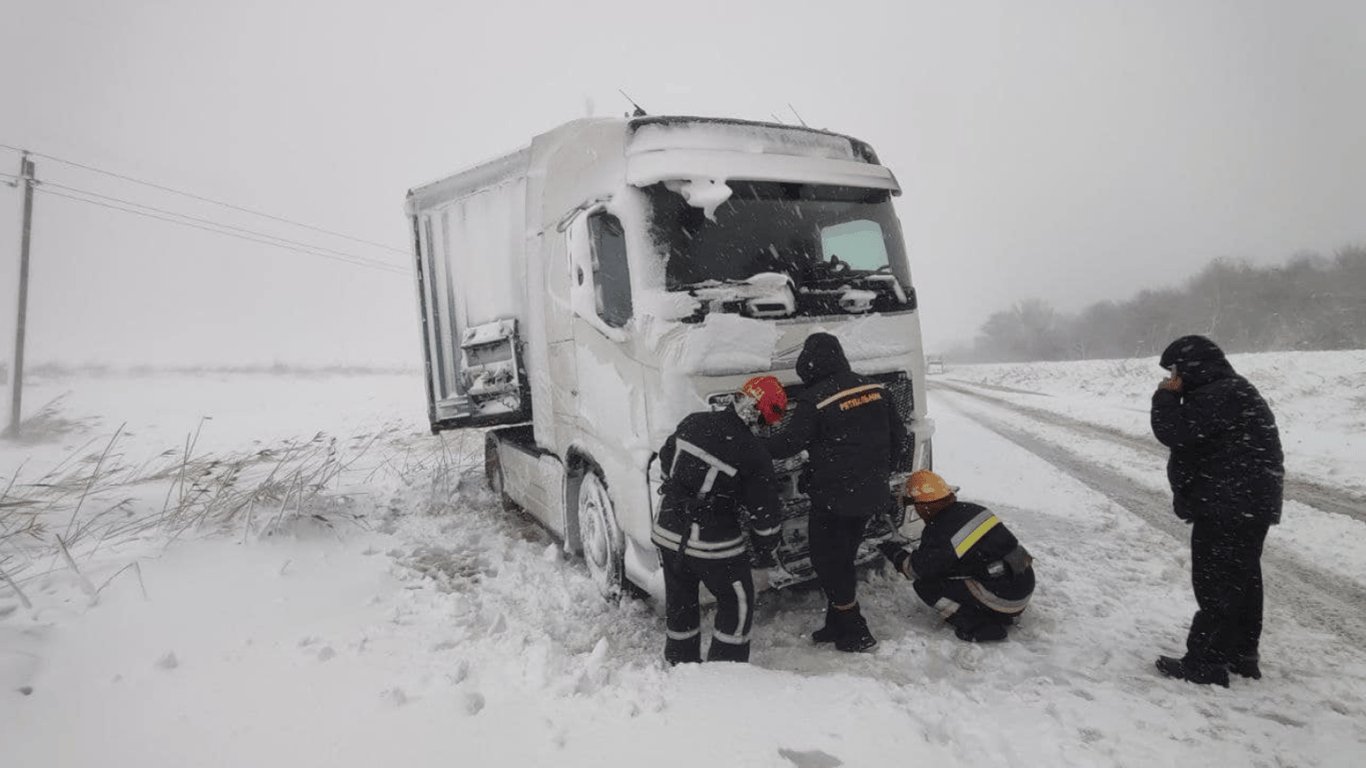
x=802, y=230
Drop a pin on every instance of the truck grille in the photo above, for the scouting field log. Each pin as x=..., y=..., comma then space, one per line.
x=794, y=550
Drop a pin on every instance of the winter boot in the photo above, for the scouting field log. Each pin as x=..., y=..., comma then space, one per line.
x=721, y=650
x=986, y=632
x=1247, y=667
x=830, y=631
x=854, y=636
x=686, y=650
x=1196, y=672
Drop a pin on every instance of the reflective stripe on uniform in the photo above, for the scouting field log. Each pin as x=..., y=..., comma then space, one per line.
x=946, y=607
x=732, y=639
x=971, y=533
x=719, y=554
x=851, y=391
x=707, y=550
x=741, y=617
x=714, y=464
x=993, y=601
x=686, y=635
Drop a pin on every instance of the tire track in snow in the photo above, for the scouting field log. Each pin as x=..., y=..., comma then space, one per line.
x=1317, y=597
x=1307, y=492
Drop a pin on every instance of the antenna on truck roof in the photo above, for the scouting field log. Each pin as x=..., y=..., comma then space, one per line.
x=799, y=117
x=639, y=112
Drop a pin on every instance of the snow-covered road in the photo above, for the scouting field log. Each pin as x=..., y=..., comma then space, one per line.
x=416, y=622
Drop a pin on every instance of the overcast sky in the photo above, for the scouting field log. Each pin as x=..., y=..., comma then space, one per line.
x=1065, y=150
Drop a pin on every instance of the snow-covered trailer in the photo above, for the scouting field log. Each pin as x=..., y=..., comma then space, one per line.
x=581, y=295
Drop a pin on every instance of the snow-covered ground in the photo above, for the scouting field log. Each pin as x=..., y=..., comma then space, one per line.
x=280, y=570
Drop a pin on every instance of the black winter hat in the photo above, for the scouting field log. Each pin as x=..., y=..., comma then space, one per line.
x=1196, y=358
x=822, y=356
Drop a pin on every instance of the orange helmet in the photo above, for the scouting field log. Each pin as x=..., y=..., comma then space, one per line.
x=924, y=486
x=766, y=395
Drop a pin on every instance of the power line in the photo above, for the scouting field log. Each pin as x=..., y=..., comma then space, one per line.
x=206, y=199
x=222, y=226
x=218, y=202
x=355, y=261
x=275, y=242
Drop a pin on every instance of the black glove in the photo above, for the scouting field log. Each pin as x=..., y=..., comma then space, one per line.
x=764, y=560
x=898, y=555
x=1182, y=509
x=891, y=549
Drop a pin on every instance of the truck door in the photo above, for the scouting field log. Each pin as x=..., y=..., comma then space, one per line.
x=611, y=390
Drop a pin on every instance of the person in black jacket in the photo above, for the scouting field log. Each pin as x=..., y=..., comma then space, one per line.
x=850, y=428
x=968, y=565
x=712, y=465
x=1227, y=474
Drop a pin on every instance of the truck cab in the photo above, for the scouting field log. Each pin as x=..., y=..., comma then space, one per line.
x=583, y=294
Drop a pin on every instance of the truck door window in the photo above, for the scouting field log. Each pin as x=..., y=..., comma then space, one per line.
x=611, y=274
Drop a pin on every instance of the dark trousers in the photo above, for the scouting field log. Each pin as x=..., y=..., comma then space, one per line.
x=729, y=580
x=1226, y=572
x=961, y=601
x=834, y=542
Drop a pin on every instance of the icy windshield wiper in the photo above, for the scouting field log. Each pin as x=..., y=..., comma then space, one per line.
x=766, y=294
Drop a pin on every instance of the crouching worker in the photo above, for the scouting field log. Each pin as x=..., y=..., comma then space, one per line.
x=712, y=465
x=969, y=566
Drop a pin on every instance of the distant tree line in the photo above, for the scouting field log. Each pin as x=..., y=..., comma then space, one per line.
x=1310, y=303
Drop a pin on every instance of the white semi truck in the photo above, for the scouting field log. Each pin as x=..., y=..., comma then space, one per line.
x=583, y=294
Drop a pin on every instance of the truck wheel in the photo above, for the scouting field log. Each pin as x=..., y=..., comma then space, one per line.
x=600, y=537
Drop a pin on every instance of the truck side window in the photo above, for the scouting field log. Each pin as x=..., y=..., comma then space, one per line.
x=611, y=274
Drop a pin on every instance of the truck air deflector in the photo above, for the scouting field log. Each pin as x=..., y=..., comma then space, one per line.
x=646, y=168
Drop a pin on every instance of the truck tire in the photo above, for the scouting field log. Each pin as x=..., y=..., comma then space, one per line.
x=600, y=537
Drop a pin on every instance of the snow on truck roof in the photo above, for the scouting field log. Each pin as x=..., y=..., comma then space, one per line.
x=678, y=147
x=747, y=135
x=683, y=148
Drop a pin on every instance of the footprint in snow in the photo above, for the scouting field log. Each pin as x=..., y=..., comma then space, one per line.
x=395, y=696
x=812, y=758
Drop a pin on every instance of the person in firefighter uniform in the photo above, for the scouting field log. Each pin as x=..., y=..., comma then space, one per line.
x=1226, y=470
x=712, y=465
x=850, y=428
x=968, y=565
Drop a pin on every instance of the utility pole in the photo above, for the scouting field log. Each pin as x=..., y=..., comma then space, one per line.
x=16, y=368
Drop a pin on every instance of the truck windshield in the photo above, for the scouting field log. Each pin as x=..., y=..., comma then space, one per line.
x=815, y=234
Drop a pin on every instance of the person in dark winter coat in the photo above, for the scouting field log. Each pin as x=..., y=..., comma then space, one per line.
x=712, y=465
x=850, y=428
x=1227, y=473
x=968, y=565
